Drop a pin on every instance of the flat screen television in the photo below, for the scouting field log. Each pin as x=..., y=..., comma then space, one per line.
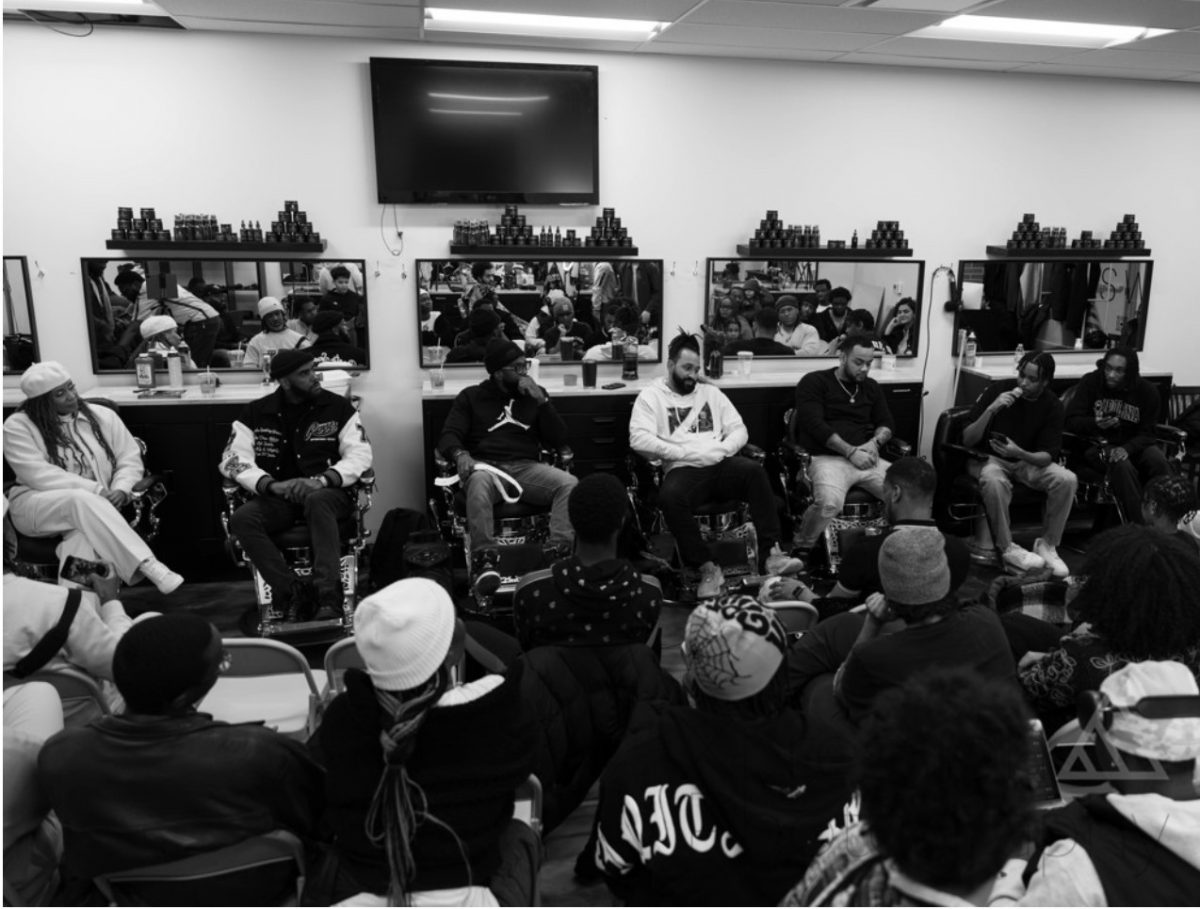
x=479, y=132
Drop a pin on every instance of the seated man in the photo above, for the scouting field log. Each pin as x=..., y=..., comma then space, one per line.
x=593, y=597
x=1166, y=502
x=483, y=326
x=1140, y=845
x=721, y=804
x=331, y=340
x=794, y=331
x=566, y=326
x=695, y=430
x=1117, y=407
x=831, y=322
x=842, y=419
x=504, y=422
x=275, y=334
x=298, y=451
x=1022, y=422
x=306, y=315
x=763, y=344
x=345, y=300
x=163, y=782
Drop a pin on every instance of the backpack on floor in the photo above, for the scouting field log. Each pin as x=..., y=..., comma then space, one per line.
x=427, y=555
x=387, y=555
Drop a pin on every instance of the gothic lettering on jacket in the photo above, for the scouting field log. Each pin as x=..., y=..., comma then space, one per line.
x=668, y=818
x=1115, y=407
x=267, y=442
x=321, y=432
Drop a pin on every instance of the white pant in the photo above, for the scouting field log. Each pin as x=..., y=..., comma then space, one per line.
x=91, y=526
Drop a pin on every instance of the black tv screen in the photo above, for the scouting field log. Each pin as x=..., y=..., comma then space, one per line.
x=458, y=131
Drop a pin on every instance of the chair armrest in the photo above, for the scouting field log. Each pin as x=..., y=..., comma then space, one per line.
x=754, y=452
x=895, y=448
x=1172, y=435
x=366, y=479
x=963, y=449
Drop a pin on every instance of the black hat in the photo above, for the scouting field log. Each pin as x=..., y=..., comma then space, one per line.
x=483, y=322
x=500, y=353
x=327, y=321
x=160, y=658
x=286, y=362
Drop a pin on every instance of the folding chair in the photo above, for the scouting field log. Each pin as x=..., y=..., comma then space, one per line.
x=76, y=689
x=269, y=681
x=341, y=656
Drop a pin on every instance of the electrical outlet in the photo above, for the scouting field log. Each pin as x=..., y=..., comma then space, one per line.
x=400, y=234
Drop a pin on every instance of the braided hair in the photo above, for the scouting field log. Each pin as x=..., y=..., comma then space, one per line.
x=44, y=415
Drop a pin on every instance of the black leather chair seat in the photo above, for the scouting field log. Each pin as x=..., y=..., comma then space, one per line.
x=859, y=496
x=723, y=507
x=38, y=550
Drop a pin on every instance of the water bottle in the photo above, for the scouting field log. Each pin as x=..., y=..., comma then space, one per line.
x=629, y=363
x=1018, y=354
x=969, y=351
x=174, y=369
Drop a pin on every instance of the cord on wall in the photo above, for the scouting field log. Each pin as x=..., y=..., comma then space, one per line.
x=396, y=226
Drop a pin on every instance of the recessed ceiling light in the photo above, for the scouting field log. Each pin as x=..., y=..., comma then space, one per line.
x=1036, y=31
x=118, y=7
x=500, y=23
x=921, y=6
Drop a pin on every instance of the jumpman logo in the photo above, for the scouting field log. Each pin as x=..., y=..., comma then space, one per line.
x=507, y=417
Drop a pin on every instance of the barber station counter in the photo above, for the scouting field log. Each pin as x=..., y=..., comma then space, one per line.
x=1069, y=368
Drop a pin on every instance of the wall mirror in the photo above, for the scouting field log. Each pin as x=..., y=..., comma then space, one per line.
x=793, y=307
x=20, y=329
x=1053, y=304
x=561, y=310
x=214, y=303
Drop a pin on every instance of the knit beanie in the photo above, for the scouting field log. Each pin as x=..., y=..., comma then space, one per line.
x=913, y=568
x=156, y=325
x=500, y=352
x=160, y=658
x=286, y=362
x=404, y=632
x=43, y=377
x=268, y=305
x=733, y=646
x=327, y=321
x=482, y=322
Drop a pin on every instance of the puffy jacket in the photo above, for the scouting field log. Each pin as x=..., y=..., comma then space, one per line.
x=583, y=698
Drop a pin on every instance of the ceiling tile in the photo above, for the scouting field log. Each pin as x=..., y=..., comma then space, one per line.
x=730, y=36
x=1151, y=13
x=886, y=60
x=1051, y=69
x=285, y=13
x=940, y=48
x=319, y=30
x=1119, y=58
x=652, y=10
x=1174, y=43
x=516, y=42
x=942, y=6
x=817, y=18
x=740, y=53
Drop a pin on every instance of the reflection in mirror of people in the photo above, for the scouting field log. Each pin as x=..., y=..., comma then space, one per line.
x=20, y=337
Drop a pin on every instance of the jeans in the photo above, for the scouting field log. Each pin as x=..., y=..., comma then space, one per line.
x=201, y=337
x=832, y=477
x=1125, y=476
x=542, y=485
x=255, y=522
x=995, y=486
x=736, y=477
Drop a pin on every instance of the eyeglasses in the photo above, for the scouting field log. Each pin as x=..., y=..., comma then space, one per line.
x=521, y=368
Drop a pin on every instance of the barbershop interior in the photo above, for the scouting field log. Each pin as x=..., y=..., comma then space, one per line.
x=672, y=452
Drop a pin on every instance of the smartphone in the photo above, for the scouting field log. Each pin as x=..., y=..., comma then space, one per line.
x=999, y=437
x=611, y=385
x=78, y=570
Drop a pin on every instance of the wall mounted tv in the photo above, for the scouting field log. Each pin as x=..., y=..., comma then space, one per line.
x=478, y=132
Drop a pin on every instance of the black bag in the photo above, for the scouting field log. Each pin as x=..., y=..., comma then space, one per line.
x=427, y=555
x=387, y=555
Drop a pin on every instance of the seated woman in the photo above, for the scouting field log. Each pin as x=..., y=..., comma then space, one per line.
x=900, y=333
x=427, y=818
x=75, y=467
x=1138, y=602
x=160, y=337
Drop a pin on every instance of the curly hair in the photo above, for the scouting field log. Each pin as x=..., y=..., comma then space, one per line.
x=597, y=507
x=1172, y=496
x=942, y=770
x=682, y=341
x=44, y=415
x=1140, y=592
x=339, y=271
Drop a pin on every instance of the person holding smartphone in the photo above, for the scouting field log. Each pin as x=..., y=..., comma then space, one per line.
x=1018, y=427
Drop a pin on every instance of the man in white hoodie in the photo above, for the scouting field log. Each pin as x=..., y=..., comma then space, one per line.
x=1139, y=845
x=694, y=429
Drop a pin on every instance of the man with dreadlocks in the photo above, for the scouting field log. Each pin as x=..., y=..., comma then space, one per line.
x=421, y=772
x=76, y=466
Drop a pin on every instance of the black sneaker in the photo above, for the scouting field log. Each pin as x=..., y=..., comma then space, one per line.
x=303, y=602
x=486, y=564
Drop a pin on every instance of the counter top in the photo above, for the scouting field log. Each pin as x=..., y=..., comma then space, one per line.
x=1078, y=366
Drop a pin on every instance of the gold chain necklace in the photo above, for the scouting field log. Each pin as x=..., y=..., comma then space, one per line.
x=857, y=388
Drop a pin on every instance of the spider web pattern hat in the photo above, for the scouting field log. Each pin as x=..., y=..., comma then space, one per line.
x=733, y=646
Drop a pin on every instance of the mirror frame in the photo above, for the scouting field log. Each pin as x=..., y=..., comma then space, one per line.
x=33, y=332
x=917, y=294
x=964, y=265
x=146, y=260
x=514, y=258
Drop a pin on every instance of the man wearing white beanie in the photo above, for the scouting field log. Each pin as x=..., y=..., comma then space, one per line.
x=160, y=337
x=275, y=334
x=76, y=466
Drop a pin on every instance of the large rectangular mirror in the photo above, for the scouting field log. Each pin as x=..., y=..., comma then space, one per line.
x=1053, y=304
x=560, y=310
x=20, y=329
x=214, y=304
x=794, y=307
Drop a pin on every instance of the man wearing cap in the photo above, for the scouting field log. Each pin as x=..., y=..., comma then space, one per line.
x=162, y=781
x=793, y=331
x=297, y=451
x=483, y=326
x=331, y=342
x=720, y=804
x=1139, y=845
x=504, y=422
x=275, y=334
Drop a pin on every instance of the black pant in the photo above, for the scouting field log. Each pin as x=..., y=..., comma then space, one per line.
x=1125, y=477
x=201, y=337
x=255, y=522
x=734, y=478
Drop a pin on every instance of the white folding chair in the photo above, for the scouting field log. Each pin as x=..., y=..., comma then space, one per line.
x=341, y=656
x=270, y=681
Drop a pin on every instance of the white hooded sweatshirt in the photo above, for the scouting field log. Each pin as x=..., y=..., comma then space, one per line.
x=696, y=430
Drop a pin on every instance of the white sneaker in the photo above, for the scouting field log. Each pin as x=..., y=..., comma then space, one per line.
x=712, y=579
x=162, y=577
x=780, y=563
x=1022, y=559
x=1051, y=557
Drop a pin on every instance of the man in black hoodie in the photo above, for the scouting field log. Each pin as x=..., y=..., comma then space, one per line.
x=720, y=804
x=1117, y=408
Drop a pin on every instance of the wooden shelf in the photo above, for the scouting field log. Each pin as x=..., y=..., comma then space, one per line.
x=583, y=253
x=820, y=252
x=215, y=246
x=1080, y=255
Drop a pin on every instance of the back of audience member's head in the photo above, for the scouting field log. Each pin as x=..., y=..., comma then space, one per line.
x=915, y=573
x=766, y=320
x=1171, y=497
x=942, y=772
x=733, y=648
x=165, y=665
x=1140, y=592
x=682, y=341
x=861, y=321
x=482, y=322
x=597, y=508
x=855, y=339
x=915, y=476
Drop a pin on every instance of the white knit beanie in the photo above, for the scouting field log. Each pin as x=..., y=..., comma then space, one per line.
x=404, y=632
x=43, y=377
x=268, y=305
x=156, y=325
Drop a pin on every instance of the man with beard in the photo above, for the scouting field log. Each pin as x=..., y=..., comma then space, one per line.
x=298, y=450
x=832, y=322
x=274, y=336
x=695, y=430
x=1117, y=408
x=502, y=424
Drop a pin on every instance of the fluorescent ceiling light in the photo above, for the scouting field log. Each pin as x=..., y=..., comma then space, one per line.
x=1036, y=31
x=922, y=6
x=531, y=24
x=503, y=99
x=113, y=7
x=476, y=113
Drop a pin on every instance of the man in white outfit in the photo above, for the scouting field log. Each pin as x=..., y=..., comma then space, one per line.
x=697, y=432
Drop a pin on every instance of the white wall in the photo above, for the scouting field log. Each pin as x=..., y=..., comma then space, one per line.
x=693, y=151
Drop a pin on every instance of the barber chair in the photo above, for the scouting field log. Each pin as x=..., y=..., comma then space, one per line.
x=296, y=546
x=861, y=513
x=521, y=531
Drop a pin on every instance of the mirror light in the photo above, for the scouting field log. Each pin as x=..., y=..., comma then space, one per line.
x=1003, y=30
x=532, y=24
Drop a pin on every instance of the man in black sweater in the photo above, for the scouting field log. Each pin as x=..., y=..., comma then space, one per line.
x=766, y=322
x=842, y=419
x=1117, y=409
x=831, y=322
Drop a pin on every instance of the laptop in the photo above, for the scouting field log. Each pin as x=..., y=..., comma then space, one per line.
x=1047, y=793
